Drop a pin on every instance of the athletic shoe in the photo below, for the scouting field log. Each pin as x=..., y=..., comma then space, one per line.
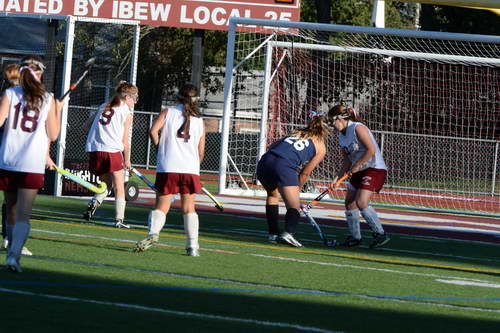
x=379, y=240
x=13, y=265
x=26, y=252
x=119, y=224
x=146, y=243
x=289, y=239
x=5, y=245
x=273, y=239
x=192, y=252
x=351, y=242
x=91, y=208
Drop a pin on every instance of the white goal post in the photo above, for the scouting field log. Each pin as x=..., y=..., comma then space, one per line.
x=431, y=99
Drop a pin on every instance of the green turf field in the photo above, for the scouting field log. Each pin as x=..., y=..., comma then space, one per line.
x=85, y=278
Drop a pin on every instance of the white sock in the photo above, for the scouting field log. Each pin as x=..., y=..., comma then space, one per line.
x=100, y=197
x=120, y=209
x=352, y=217
x=191, y=227
x=19, y=236
x=371, y=218
x=156, y=221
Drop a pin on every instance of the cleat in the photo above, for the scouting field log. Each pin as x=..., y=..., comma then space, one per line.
x=13, y=265
x=289, y=239
x=26, y=252
x=91, y=208
x=351, y=242
x=192, y=252
x=146, y=243
x=5, y=245
x=379, y=240
x=119, y=224
x=273, y=239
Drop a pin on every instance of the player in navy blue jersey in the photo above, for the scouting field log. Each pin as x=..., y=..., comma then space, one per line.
x=284, y=169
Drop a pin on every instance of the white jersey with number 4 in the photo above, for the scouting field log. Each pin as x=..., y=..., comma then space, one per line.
x=174, y=154
x=106, y=133
x=25, y=141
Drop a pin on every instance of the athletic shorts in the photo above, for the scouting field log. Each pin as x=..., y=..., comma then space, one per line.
x=275, y=171
x=10, y=181
x=175, y=183
x=369, y=179
x=101, y=162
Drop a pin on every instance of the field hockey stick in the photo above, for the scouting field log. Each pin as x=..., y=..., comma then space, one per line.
x=88, y=66
x=89, y=186
x=144, y=179
x=218, y=205
x=306, y=208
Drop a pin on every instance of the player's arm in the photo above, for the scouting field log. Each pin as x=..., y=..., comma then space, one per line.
x=363, y=135
x=309, y=167
x=126, y=141
x=53, y=123
x=201, y=145
x=158, y=124
x=346, y=166
x=4, y=109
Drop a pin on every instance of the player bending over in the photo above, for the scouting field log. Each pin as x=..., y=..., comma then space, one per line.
x=108, y=146
x=363, y=159
x=279, y=172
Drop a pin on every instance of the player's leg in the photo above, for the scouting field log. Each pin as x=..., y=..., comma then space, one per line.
x=370, y=215
x=272, y=212
x=291, y=197
x=98, y=199
x=156, y=220
x=118, y=178
x=353, y=216
x=5, y=240
x=191, y=224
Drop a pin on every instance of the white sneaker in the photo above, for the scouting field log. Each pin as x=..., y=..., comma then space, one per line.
x=26, y=252
x=289, y=239
x=146, y=243
x=5, y=245
x=13, y=265
x=192, y=252
x=273, y=239
x=119, y=224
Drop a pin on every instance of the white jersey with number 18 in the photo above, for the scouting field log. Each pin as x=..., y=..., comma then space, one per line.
x=25, y=141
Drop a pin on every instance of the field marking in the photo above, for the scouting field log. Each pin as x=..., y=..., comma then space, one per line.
x=298, y=250
x=170, y=312
x=470, y=283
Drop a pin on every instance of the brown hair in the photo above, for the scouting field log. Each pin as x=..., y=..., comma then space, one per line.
x=316, y=128
x=344, y=112
x=11, y=75
x=123, y=89
x=33, y=89
x=188, y=97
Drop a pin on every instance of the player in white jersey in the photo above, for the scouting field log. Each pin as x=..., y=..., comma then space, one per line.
x=181, y=148
x=31, y=121
x=108, y=145
x=364, y=161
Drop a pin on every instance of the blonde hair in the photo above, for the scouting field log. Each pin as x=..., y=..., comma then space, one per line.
x=11, y=75
x=315, y=128
x=343, y=112
x=123, y=89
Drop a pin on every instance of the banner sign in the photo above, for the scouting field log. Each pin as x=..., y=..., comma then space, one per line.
x=197, y=14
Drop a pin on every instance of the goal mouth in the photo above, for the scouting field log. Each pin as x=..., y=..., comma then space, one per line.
x=430, y=98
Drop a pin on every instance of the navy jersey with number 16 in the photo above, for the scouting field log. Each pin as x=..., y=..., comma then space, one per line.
x=295, y=150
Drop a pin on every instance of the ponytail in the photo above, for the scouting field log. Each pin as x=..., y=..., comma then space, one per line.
x=33, y=89
x=122, y=90
x=188, y=97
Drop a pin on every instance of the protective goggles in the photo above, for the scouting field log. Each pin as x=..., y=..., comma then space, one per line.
x=37, y=63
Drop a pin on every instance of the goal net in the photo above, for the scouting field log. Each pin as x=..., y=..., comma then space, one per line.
x=431, y=99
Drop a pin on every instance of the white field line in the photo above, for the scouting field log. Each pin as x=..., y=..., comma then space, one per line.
x=170, y=312
x=470, y=283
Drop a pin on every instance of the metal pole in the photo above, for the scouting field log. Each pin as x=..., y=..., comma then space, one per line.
x=265, y=102
x=495, y=162
x=197, y=60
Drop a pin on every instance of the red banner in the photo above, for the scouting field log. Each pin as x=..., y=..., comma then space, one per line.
x=198, y=14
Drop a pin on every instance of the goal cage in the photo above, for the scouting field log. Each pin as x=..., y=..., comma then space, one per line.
x=431, y=99
x=65, y=47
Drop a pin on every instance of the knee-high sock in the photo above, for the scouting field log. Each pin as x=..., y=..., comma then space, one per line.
x=272, y=215
x=352, y=218
x=19, y=237
x=156, y=221
x=100, y=197
x=4, y=221
x=292, y=218
x=371, y=218
x=191, y=227
x=120, y=209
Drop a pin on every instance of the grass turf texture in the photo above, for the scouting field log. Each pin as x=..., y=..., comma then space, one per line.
x=85, y=277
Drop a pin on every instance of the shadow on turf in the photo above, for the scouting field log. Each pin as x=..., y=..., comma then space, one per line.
x=326, y=312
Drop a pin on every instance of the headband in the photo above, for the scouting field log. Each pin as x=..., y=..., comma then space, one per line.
x=33, y=62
